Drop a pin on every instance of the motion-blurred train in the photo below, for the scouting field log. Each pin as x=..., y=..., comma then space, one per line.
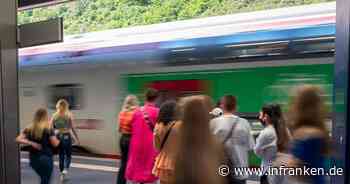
x=257, y=56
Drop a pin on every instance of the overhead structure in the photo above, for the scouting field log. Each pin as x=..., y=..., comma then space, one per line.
x=40, y=33
x=30, y=4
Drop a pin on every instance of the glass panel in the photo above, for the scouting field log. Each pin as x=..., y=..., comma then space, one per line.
x=70, y=92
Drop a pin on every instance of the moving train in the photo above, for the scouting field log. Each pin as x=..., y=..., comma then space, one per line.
x=257, y=56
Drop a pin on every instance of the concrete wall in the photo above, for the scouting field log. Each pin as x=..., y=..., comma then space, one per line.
x=9, y=155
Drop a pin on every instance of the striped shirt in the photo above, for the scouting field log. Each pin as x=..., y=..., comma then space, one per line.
x=125, y=119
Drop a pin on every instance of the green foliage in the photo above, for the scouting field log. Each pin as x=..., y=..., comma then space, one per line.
x=95, y=15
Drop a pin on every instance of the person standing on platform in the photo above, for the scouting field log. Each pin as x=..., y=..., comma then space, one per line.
x=165, y=141
x=41, y=138
x=142, y=153
x=311, y=140
x=273, y=139
x=235, y=134
x=62, y=122
x=125, y=117
x=199, y=154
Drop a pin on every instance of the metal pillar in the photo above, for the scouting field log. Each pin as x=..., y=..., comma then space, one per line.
x=9, y=153
x=341, y=123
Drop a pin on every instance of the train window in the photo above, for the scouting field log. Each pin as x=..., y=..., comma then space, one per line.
x=73, y=93
x=313, y=45
x=259, y=49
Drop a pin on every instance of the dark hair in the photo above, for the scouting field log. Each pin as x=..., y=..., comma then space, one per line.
x=218, y=103
x=229, y=102
x=274, y=111
x=151, y=95
x=167, y=112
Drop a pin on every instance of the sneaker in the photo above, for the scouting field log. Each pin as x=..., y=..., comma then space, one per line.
x=65, y=174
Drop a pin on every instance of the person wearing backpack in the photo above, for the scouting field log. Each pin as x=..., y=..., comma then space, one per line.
x=235, y=134
x=165, y=141
x=142, y=153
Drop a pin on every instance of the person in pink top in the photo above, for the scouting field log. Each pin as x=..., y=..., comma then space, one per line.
x=142, y=153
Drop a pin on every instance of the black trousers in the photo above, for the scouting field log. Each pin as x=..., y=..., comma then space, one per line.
x=264, y=180
x=124, y=148
x=237, y=181
x=43, y=166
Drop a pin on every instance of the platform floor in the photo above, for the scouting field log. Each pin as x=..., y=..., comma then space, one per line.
x=84, y=170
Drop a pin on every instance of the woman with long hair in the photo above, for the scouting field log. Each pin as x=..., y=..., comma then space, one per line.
x=199, y=153
x=165, y=141
x=62, y=122
x=130, y=104
x=272, y=139
x=41, y=139
x=311, y=141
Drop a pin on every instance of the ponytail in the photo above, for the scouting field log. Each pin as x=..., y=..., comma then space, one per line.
x=279, y=124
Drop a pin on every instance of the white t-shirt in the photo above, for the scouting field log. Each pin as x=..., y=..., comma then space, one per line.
x=240, y=142
x=266, y=146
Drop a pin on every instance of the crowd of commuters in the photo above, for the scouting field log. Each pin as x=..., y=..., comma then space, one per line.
x=192, y=138
x=187, y=140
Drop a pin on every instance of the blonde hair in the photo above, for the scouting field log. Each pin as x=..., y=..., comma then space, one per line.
x=199, y=153
x=130, y=103
x=65, y=106
x=40, y=124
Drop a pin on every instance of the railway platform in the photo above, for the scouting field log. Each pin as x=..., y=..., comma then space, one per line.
x=84, y=170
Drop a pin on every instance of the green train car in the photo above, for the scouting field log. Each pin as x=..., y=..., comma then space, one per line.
x=253, y=86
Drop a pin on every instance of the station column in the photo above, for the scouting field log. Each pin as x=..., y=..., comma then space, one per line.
x=341, y=100
x=9, y=154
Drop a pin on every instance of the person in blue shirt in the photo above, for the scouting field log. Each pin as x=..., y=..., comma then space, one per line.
x=311, y=140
